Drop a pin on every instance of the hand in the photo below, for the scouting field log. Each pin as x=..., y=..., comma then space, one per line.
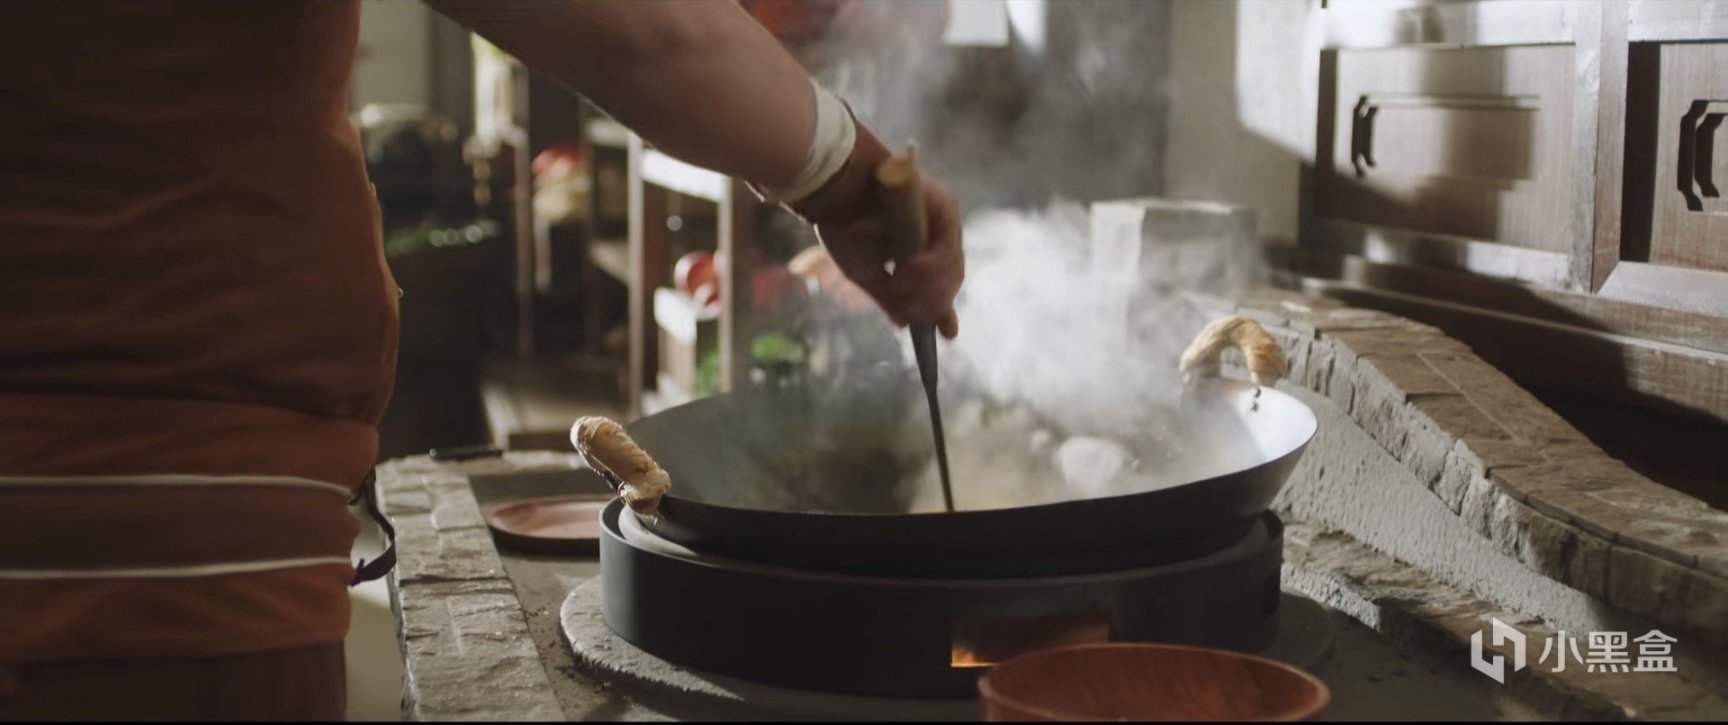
x=922, y=288
x=814, y=265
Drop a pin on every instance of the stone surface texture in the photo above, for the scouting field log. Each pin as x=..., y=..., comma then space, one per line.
x=1510, y=469
x=467, y=653
x=1426, y=614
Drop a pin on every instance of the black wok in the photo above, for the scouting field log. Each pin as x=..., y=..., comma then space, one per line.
x=777, y=478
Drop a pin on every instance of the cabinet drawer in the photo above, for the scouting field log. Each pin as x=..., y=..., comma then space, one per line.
x=1689, y=227
x=1473, y=142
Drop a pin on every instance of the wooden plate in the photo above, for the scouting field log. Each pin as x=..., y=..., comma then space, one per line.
x=551, y=525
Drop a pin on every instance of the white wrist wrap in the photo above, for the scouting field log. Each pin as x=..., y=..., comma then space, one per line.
x=830, y=147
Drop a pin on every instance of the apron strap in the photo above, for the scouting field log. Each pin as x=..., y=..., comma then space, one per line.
x=366, y=571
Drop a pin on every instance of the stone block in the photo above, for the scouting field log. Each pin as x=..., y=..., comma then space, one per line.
x=1459, y=417
x=1317, y=371
x=1493, y=454
x=1378, y=408
x=1521, y=481
x=1341, y=378
x=1713, y=557
x=1455, y=479
x=1296, y=361
x=1566, y=554
x=404, y=501
x=1671, y=594
x=1567, y=503
x=1675, y=538
x=1425, y=451
x=1509, y=526
x=1409, y=373
x=1398, y=341
x=455, y=508
x=427, y=553
x=1476, y=509
x=1352, y=318
x=469, y=654
x=1517, y=411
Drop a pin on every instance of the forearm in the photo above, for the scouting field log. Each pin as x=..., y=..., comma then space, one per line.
x=701, y=81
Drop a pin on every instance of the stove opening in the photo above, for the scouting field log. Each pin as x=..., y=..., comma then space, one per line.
x=984, y=641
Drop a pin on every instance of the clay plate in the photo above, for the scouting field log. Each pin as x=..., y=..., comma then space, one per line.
x=568, y=525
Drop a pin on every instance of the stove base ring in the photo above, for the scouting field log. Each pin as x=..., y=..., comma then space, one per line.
x=892, y=637
x=1304, y=640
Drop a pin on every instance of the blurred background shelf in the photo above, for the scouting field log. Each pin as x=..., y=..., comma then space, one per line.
x=530, y=404
x=611, y=256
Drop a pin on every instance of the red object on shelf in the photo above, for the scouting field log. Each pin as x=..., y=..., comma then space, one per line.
x=707, y=296
x=559, y=159
x=693, y=270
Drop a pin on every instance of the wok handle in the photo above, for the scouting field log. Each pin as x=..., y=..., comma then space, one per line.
x=610, y=451
x=1265, y=359
x=903, y=199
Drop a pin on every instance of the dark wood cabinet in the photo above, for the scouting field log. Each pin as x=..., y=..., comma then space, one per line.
x=1544, y=181
x=1461, y=142
x=1688, y=226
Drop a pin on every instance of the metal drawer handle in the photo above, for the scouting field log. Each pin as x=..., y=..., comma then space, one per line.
x=1362, y=135
x=1698, y=130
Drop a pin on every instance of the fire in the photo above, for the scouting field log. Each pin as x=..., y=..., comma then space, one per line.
x=983, y=642
x=960, y=658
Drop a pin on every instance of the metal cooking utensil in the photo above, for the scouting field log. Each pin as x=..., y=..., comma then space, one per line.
x=908, y=230
x=1237, y=453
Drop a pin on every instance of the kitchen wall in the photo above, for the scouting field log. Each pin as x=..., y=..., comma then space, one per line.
x=1240, y=125
x=395, y=53
x=410, y=54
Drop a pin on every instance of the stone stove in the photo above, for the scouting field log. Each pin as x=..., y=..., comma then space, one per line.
x=491, y=634
x=1439, y=496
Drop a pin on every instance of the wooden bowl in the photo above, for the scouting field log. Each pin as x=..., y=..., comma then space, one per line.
x=564, y=525
x=1148, y=682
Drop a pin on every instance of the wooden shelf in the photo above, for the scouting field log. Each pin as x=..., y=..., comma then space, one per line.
x=530, y=404
x=608, y=133
x=670, y=173
x=611, y=256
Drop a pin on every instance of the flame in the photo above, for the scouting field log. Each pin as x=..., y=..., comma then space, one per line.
x=986, y=641
x=960, y=658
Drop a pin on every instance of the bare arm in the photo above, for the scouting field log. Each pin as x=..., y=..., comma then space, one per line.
x=700, y=80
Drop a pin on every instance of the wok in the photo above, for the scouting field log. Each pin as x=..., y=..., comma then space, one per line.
x=779, y=478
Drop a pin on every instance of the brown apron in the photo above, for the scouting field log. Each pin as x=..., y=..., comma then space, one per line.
x=197, y=339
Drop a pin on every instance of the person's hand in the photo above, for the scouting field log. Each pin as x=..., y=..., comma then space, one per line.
x=851, y=218
x=921, y=289
x=814, y=265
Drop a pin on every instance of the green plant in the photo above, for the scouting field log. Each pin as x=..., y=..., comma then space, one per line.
x=414, y=240
x=777, y=348
x=708, y=374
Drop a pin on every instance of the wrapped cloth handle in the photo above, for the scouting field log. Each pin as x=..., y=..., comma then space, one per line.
x=607, y=449
x=903, y=199
x=1264, y=358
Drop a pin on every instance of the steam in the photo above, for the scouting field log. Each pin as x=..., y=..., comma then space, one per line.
x=1063, y=382
x=1073, y=107
x=1043, y=326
